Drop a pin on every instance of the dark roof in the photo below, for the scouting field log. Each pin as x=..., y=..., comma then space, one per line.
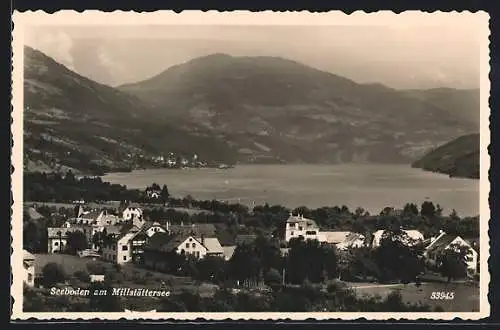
x=197, y=229
x=165, y=242
x=442, y=242
x=245, y=239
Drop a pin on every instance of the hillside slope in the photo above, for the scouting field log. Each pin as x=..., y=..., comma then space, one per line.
x=71, y=122
x=458, y=158
x=274, y=109
x=463, y=103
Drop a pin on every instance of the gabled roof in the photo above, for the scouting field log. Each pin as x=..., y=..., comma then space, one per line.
x=52, y=232
x=300, y=219
x=166, y=243
x=228, y=251
x=92, y=215
x=212, y=244
x=335, y=237
x=441, y=242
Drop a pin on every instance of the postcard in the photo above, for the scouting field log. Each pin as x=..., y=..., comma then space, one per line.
x=250, y=165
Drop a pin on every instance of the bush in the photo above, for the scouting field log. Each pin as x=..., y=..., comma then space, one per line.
x=82, y=275
x=53, y=273
x=96, y=268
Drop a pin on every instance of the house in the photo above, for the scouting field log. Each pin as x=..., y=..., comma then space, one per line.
x=131, y=212
x=161, y=244
x=284, y=252
x=153, y=193
x=342, y=239
x=413, y=237
x=57, y=238
x=29, y=268
x=213, y=246
x=228, y=251
x=444, y=242
x=119, y=249
x=298, y=226
x=142, y=236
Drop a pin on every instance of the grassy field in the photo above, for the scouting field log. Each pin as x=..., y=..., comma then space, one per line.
x=466, y=296
x=154, y=280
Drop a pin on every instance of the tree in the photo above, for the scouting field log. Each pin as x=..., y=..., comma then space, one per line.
x=453, y=262
x=52, y=274
x=165, y=195
x=428, y=209
x=398, y=257
x=82, y=275
x=212, y=269
x=273, y=277
x=76, y=241
x=410, y=209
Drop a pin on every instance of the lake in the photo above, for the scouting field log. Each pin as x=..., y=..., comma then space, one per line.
x=372, y=187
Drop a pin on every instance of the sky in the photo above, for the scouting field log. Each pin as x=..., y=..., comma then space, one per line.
x=403, y=57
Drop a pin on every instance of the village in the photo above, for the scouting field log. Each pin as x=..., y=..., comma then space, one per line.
x=126, y=237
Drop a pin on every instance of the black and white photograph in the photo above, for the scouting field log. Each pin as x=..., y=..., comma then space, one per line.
x=258, y=165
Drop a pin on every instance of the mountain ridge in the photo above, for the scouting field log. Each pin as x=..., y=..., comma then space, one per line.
x=271, y=96
x=247, y=110
x=457, y=158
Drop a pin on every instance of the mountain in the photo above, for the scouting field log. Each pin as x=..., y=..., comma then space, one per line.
x=462, y=103
x=273, y=109
x=458, y=158
x=71, y=122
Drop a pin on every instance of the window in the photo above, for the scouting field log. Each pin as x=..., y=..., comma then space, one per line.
x=30, y=277
x=124, y=247
x=190, y=239
x=114, y=248
x=114, y=258
x=56, y=243
x=124, y=258
x=300, y=228
x=291, y=233
x=197, y=254
x=187, y=245
x=193, y=245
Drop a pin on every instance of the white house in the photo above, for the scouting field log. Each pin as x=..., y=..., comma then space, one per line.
x=119, y=250
x=298, y=226
x=131, y=212
x=413, y=237
x=57, y=239
x=29, y=268
x=443, y=242
x=186, y=244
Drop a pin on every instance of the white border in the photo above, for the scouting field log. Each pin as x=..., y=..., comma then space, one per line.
x=358, y=18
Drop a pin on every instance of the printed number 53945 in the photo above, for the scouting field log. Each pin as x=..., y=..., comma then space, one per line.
x=443, y=295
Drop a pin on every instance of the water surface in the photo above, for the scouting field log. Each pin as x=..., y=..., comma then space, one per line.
x=372, y=187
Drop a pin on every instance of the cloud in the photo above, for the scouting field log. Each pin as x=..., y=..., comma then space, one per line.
x=56, y=44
